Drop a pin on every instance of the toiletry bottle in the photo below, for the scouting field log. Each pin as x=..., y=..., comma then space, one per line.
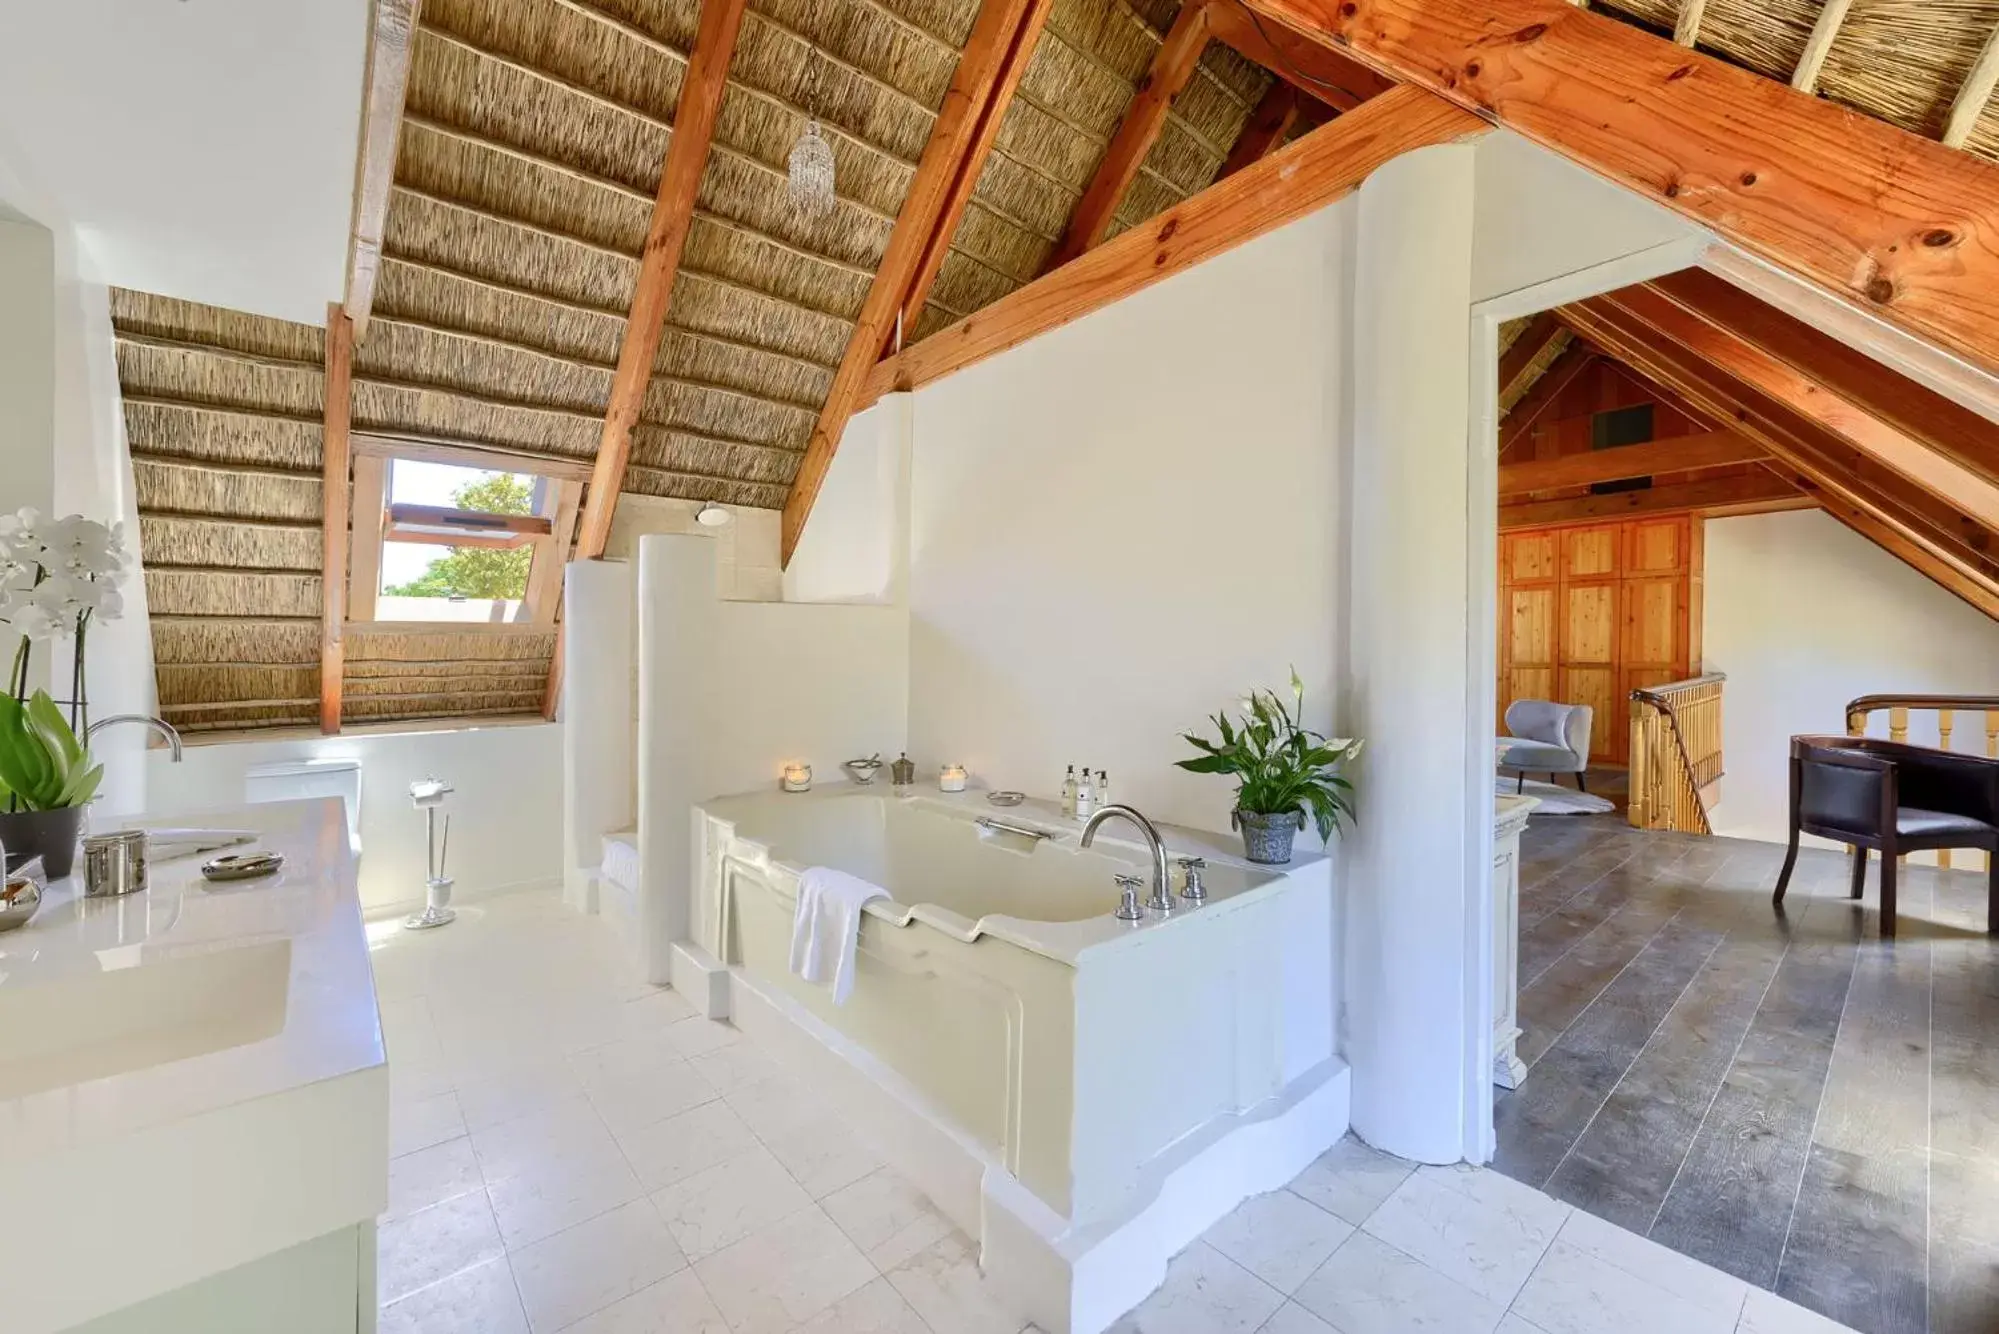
x=1103, y=789
x=1069, y=794
x=1086, y=796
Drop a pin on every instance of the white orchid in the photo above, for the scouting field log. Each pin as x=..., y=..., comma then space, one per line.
x=21, y=535
x=83, y=548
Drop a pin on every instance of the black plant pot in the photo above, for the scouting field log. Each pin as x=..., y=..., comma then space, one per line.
x=51, y=835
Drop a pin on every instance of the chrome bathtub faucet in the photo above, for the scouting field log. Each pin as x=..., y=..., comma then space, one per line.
x=1162, y=901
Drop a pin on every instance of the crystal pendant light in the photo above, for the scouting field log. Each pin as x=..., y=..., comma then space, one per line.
x=812, y=173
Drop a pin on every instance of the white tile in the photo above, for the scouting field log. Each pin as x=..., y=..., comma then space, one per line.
x=588, y=1267
x=1350, y=1180
x=775, y=1105
x=1574, y=1292
x=943, y=1282
x=434, y=1244
x=1482, y=1229
x=783, y=1273
x=1513, y=1324
x=536, y=1085
x=734, y=1065
x=678, y=1147
x=822, y=1155
x=1369, y=1287
x=1205, y=1293
x=480, y=1300
x=542, y=1201
x=1279, y=1237
x=693, y=1037
x=411, y=1082
x=569, y=1131
x=637, y=1081
x=1682, y=1276
x=1767, y=1313
x=432, y=1176
x=886, y=1217
x=729, y=1201
x=1292, y=1318
x=422, y=1123
x=676, y=1305
x=875, y=1309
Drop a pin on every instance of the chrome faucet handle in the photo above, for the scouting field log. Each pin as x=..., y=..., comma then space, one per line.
x=1191, y=868
x=1127, y=908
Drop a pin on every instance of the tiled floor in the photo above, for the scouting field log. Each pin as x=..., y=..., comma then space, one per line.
x=1787, y=1096
x=576, y=1152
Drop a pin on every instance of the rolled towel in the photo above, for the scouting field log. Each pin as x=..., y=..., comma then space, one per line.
x=827, y=927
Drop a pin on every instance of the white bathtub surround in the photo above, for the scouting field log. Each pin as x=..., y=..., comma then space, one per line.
x=1084, y=1095
x=169, y=1056
x=1418, y=856
x=826, y=928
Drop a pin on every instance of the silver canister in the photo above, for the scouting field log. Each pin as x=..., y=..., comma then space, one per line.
x=114, y=864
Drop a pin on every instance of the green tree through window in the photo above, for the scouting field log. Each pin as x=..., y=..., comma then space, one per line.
x=479, y=572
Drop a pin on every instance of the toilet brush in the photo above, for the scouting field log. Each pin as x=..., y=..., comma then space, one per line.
x=428, y=795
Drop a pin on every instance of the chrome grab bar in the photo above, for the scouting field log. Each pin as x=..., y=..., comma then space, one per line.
x=1007, y=827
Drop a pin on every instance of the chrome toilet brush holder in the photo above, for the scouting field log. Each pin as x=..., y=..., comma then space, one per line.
x=429, y=795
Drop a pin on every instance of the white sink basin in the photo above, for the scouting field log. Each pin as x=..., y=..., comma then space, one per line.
x=78, y=1026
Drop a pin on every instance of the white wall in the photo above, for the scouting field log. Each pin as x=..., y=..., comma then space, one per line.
x=1125, y=524
x=203, y=150
x=857, y=547
x=746, y=548
x=1804, y=615
x=506, y=816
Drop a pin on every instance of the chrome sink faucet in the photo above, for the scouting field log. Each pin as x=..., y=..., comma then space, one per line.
x=160, y=725
x=1161, y=900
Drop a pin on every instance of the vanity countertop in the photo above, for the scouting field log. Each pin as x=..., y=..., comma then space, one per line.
x=192, y=1076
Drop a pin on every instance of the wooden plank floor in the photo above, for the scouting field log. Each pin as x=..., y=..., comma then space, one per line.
x=1786, y=1097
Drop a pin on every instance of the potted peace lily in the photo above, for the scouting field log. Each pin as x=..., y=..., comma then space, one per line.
x=1284, y=772
x=57, y=577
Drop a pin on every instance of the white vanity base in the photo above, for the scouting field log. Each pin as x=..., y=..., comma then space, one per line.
x=1066, y=1281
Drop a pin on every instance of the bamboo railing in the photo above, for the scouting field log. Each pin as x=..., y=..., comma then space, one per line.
x=1676, y=754
x=1945, y=707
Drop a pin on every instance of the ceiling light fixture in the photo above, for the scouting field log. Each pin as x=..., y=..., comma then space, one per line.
x=712, y=515
x=811, y=184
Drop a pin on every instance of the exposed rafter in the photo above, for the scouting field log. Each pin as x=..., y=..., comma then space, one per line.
x=1573, y=362
x=981, y=70
x=1304, y=175
x=1973, y=94
x=1890, y=221
x=1265, y=130
x=1527, y=349
x=1172, y=65
x=1710, y=449
x=386, y=81
x=1755, y=492
x=1319, y=73
x=673, y=213
x=1825, y=31
x=335, y=462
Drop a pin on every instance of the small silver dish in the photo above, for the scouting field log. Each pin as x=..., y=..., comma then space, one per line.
x=19, y=901
x=1005, y=798
x=863, y=771
x=243, y=866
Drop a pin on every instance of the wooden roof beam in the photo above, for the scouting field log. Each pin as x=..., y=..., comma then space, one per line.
x=1575, y=359
x=384, y=85
x=1890, y=221
x=1172, y=66
x=981, y=70
x=335, y=462
x=1304, y=175
x=1973, y=94
x=1754, y=492
x=1324, y=75
x=1825, y=31
x=1265, y=129
x=1526, y=350
x=1711, y=449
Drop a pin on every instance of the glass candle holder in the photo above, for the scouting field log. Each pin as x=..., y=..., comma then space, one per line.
x=796, y=778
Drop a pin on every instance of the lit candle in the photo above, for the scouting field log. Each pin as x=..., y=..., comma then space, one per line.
x=797, y=778
x=952, y=779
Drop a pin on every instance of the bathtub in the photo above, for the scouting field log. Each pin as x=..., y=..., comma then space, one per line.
x=1084, y=1095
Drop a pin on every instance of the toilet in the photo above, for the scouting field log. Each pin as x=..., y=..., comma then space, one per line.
x=298, y=780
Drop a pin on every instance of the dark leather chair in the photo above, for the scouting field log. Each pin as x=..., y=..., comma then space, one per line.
x=1892, y=798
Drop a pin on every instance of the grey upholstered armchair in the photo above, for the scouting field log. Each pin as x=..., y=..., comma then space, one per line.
x=1549, y=739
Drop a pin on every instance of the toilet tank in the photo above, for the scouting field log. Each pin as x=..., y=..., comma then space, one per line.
x=299, y=780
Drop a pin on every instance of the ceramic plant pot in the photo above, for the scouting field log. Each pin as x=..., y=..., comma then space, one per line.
x=50, y=835
x=1266, y=839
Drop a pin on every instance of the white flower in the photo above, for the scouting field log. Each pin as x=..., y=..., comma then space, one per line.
x=110, y=601
x=82, y=547
x=37, y=623
x=20, y=534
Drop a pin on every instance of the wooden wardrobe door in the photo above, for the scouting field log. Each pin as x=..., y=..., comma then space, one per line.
x=1529, y=569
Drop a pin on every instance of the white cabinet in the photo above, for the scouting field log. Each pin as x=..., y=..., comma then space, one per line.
x=1509, y=819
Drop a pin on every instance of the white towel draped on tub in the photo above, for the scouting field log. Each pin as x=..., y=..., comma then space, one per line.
x=828, y=926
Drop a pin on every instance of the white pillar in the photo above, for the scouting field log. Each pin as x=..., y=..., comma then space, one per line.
x=599, y=719
x=1410, y=880
x=27, y=386
x=676, y=646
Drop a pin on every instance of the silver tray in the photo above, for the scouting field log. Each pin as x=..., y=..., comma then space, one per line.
x=243, y=866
